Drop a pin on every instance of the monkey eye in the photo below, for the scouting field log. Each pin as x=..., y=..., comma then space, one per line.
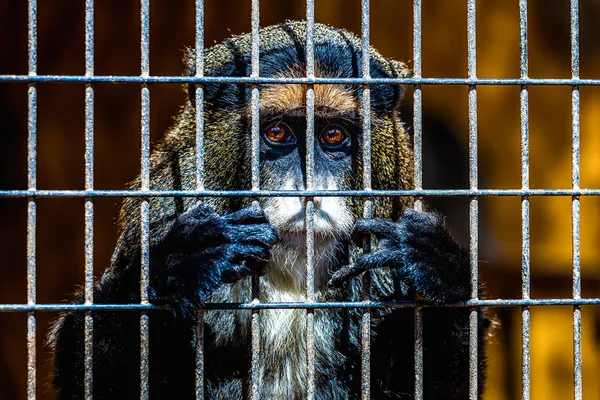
x=333, y=136
x=280, y=135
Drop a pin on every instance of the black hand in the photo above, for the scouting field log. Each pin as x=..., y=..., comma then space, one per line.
x=420, y=250
x=204, y=251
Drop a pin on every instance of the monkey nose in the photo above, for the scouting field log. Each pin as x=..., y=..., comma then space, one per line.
x=317, y=201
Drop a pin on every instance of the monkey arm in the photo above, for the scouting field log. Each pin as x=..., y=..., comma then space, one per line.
x=421, y=254
x=201, y=252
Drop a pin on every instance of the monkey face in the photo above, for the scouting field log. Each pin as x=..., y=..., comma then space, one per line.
x=283, y=155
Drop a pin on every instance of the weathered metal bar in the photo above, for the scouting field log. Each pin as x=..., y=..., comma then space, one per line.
x=365, y=365
x=310, y=206
x=418, y=180
x=199, y=102
x=31, y=202
x=588, y=301
x=576, y=205
x=305, y=80
x=33, y=193
x=89, y=202
x=525, y=225
x=145, y=204
x=474, y=201
x=255, y=106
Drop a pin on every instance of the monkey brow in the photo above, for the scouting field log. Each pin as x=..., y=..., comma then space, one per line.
x=268, y=113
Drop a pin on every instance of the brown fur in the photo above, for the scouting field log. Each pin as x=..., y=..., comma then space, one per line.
x=290, y=99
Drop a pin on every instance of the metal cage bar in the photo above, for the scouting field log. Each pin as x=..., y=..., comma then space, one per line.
x=31, y=202
x=256, y=366
x=89, y=202
x=418, y=181
x=145, y=204
x=576, y=205
x=525, y=225
x=365, y=365
x=34, y=193
x=199, y=102
x=303, y=81
x=310, y=206
x=474, y=201
x=591, y=301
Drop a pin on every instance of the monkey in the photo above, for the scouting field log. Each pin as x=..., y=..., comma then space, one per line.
x=206, y=251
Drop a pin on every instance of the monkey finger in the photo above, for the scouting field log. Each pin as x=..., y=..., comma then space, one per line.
x=241, y=252
x=200, y=211
x=345, y=273
x=368, y=261
x=253, y=214
x=372, y=226
x=235, y=272
x=262, y=234
x=380, y=259
x=259, y=268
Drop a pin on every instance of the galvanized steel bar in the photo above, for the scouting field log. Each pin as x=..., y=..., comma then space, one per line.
x=256, y=366
x=31, y=202
x=301, y=193
x=588, y=301
x=199, y=94
x=418, y=181
x=89, y=202
x=365, y=365
x=474, y=202
x=145, y=205
x=303, y=81
x=199, y=109
x=576, y=206
x=310, y=206
x=525, y=237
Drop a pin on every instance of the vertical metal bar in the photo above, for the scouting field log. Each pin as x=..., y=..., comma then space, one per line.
x=525, y=238
x=199, y=95
x=368, y=205
x=576, y=206
x=474, y=203
x=31, y=203
x=418, y=181
x=89, y=204
x=256, y=358
x=145, y=205
x=310, y=207
x=199, y=101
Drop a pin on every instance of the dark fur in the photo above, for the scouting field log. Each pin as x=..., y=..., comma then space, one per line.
x=196, y=255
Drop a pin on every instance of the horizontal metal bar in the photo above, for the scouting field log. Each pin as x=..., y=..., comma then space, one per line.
x=299, y=193
x=310, y=81
x=304, y=305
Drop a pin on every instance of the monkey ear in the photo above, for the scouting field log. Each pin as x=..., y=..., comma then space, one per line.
x=399, y=70
x=189, y=60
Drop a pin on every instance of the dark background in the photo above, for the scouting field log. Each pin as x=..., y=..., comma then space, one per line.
x=60, y=162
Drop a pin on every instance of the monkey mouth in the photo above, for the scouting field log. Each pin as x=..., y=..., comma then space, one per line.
x=323, y=225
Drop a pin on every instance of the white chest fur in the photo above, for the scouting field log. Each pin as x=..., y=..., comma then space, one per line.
x=283, y=333
x=283, y=348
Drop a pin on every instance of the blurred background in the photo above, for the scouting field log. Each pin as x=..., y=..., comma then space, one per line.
x=60, y=239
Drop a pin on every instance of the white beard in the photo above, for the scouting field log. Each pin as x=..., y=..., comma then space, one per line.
x=283, y=332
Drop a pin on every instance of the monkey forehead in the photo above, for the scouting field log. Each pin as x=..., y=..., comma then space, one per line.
x=337, y=53
x=331, y=101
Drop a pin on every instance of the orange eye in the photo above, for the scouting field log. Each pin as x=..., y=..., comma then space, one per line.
x=333, y=136
x=277, y=134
